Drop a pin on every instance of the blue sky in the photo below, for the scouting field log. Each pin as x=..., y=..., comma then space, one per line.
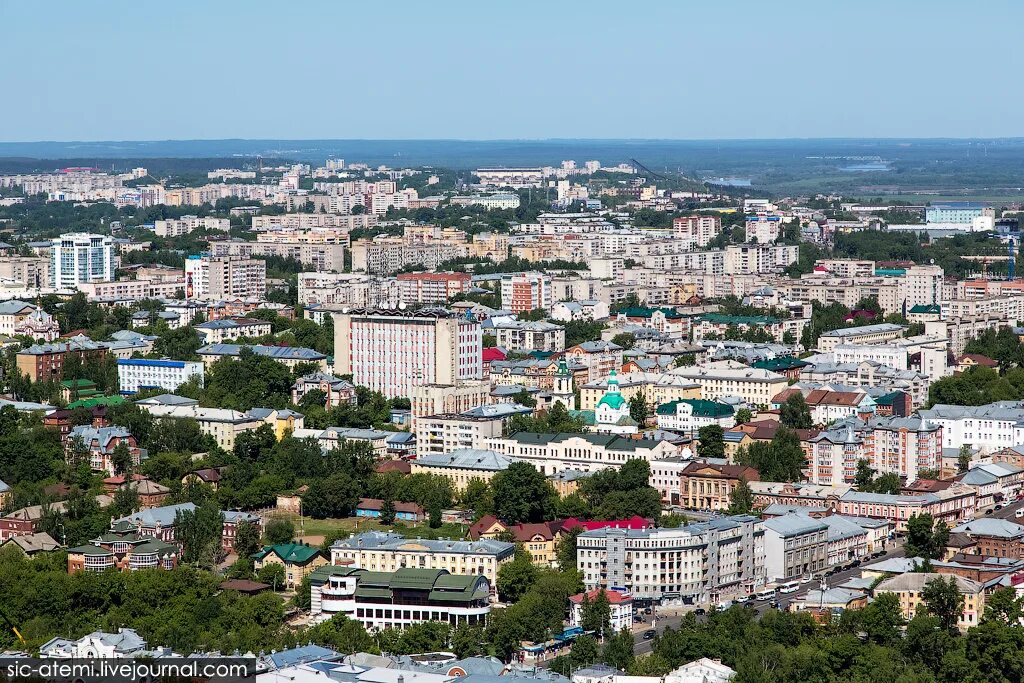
x=683, y=69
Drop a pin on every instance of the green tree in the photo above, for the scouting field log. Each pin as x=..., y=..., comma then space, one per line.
x=1004, y=605
x=522, y=494
x=199, y=532
x=596, y=614
x=639, y=409
x=343, y=635
x=795, y=413
x=626, y=340
x=387, y=512
x=925, y=537
x=584, y=652
x=247, y=539
x=272, y=574
x=741, y=498
x=121, y=458
x=278, y=530
x=516, y=577
x=864, y=478
x=565, y=549
x=781, y=459
x=744, y=415
x=942, y=599
x=618, y=650
x=963, y=460
x=711, y=441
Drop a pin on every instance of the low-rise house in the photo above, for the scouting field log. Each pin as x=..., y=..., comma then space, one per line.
x=830, y=406
x=101, y=444
x=97, y=645
x=953, y=505
x=703, y=670
x=331, y=437
x=798, y=494
x=298, y=559
x=620, y=603
x=708, y=486
x=229, y=329
x=540, y=539
x=31, y=545
x=336, y=391
x=995, y=482
x=847, y=540
x=123, y=551
x=994, y=537
x=405, y=512
x=160, y=523
x=910, y=586
x=289, y=356
x=688, y=415
x=206, y=476
x=828, y=603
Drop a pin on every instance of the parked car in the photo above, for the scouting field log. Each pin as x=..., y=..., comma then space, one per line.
x=648, y=611
x=1019, y=513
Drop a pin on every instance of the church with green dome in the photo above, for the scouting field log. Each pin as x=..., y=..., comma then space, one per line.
x=611, y=415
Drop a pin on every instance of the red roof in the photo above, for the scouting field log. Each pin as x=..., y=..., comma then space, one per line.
x=614, y=597
x=492, y=353
x=393, y=466
x=378, y=504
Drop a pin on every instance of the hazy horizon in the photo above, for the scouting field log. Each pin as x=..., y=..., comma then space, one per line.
x=461, y=70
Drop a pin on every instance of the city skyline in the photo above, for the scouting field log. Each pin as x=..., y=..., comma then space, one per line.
x=467, y=72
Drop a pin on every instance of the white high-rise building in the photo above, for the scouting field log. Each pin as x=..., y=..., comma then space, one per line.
x=81, y=257
x=393, y=351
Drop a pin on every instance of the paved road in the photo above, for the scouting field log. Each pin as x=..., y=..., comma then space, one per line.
x=672, y=620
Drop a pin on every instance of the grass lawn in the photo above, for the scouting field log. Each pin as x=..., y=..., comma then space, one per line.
x=348, y=525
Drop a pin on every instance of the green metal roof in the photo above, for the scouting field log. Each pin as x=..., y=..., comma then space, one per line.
x=293, y=553
x=645, y=312
x=700, y=407
x=320, y=575
x=776, y=364
x=926, y=308
x=97, y=401
x=720, y=319
x=612, y=442
x=613, y=401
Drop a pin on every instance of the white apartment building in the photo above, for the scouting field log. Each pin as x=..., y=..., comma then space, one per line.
x=697, y=563
x=759, y=258
x=393, y=351
x=81, y=257
x=540, y=335
x=847, y=267
x=137, y=374
x=515, y=178
x=354, y=290
x=340, y=223
x=440, y=434
x=317, y=255
x=175, y=227
x=987, y=428
x=219, y=278
x=525, y=292
x=29, y=271
x=553, y=453
x=488, y=201
x=865, y=334
x=696, y=231
x=727, y=379
x=959, y=331
x=384, y=255
x=922, y=285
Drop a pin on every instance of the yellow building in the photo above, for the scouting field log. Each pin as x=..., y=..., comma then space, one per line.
x=298, y=560
x=540, y=540
x=388, y=552
x=908, y=588
x=462, y=466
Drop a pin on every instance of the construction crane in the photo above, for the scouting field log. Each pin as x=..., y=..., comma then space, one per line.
x=14, y=629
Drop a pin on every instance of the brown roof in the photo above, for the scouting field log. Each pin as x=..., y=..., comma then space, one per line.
x=244, y=586
x=696, y=469
x=207, y=474
x=401, y=466
x=817, y=397
x=978, y=359
x=928, y=485
x=522, y=532
x=378, y=504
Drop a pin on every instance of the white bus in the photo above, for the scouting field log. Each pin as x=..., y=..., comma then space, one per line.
x=766, y=594
x=789, y=587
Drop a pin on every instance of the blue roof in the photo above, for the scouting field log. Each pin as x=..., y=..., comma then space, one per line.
x=301, y=655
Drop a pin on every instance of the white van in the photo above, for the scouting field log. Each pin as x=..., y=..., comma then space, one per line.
x=766, y=594
x=1019, y=513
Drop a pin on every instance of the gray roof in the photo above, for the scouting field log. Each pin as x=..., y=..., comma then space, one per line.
x=864, y=329
x=379, y=540
x=466, y=459
x=164, y=516
x=14, y=306
x=840, y=527
x=888, y=498
x=496, y=410
x=794, y=525
x=990, y=526
x=102, y=435
x=168, y=400
x=276, y=352
x=916, y=581
x=1004, y=411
